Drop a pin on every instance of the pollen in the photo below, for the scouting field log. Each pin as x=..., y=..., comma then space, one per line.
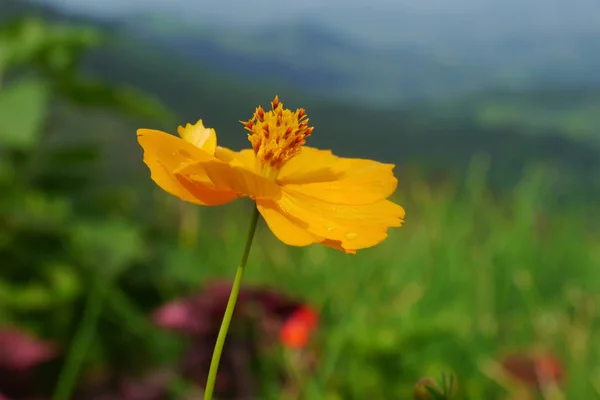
x=277, y=135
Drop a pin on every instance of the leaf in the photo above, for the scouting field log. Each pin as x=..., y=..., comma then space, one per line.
x=37, y=211
x=69, y=168
x=23, y=108
x=7, y=172
x=5, y=292
x=66, y=44
x=20, y=41
x=109, y=246
x=54, y=47
x=31, y=297
x=74, y=155
x=65, y=283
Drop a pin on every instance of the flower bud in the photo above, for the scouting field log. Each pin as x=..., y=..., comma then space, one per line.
x=426, y=389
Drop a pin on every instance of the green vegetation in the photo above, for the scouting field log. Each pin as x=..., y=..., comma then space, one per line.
x=574, y=113
x=473, y=274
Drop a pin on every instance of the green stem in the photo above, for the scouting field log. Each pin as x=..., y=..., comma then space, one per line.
x=235, y=290
x=81, y=343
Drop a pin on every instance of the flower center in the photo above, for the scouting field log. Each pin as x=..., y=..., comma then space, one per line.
x=277, y=135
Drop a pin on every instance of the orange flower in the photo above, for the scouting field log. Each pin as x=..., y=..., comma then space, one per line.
x=304, y=194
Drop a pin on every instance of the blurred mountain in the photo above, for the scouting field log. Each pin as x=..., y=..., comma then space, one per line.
x=312, y=58
x=556, y=124
x=386, y=51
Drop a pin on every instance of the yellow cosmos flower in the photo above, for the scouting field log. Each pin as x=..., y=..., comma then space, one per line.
x=305, y=195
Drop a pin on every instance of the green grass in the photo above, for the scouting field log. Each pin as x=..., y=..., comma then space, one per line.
x=465, y=279
x=573, y=113
x=580, y=123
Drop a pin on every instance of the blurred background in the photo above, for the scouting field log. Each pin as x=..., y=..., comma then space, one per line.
x=112, y=289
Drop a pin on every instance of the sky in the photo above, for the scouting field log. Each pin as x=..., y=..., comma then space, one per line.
x=377, y=20
x=261, y=11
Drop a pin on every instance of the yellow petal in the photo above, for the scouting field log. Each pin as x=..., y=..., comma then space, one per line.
x=245, y=158
x=165, y=153
x=359, y=182
x=337, y=245
x=320, y=174
x=203, y=194
x=308, y=166
x=284, y=228
x=234, y=177
x=353, y=226
x=291, y=231
x=199, y=136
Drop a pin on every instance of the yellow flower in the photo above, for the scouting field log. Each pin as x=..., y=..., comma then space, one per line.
x=305, y=195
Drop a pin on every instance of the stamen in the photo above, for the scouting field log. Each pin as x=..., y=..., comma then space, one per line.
x=277, y=135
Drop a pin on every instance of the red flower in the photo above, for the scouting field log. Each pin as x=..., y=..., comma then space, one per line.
x=298, y=328
x=534, y=370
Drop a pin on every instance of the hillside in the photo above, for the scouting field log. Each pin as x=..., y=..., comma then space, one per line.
x=513, y=127
x=394, y=51
x=433, y=55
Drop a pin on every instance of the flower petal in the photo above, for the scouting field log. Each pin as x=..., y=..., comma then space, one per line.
x=245, y=158
x=354, y=227
x=205, y=193
x=165, y=153
x=308, y=166
x=337, y=245
x=320, y=174
x=289, y=231
x=232, y=177
x=199, y=136
x=360, y=182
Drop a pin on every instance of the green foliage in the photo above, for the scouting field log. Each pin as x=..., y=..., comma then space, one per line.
x=55, y=250
x=19, y=131
x=56, y=48
x=55, y=52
